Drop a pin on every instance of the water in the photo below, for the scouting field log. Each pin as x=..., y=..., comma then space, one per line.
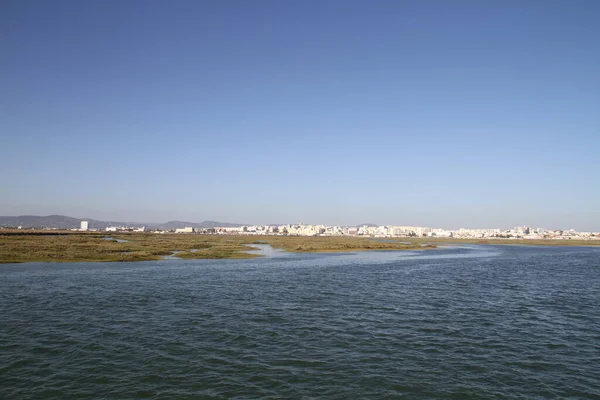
x=497, y=322
x=173, y=255
x=116, y=240
x=266, y=251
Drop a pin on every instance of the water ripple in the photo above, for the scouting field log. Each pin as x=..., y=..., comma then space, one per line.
x=458, y=323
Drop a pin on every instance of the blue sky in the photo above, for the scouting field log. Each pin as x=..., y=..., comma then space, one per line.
x=435, y=113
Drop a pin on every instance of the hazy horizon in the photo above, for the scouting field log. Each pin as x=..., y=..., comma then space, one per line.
x=565, y=226
x=441, y=114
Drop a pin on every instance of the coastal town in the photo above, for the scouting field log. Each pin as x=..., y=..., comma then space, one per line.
x=377, y=231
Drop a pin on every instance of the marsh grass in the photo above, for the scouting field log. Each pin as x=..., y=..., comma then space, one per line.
x=78, y=246
x=19, y=246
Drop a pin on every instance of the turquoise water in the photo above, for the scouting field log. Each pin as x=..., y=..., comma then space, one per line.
x=471, y=322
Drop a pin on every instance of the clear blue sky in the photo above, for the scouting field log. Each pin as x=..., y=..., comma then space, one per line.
x=435, y=113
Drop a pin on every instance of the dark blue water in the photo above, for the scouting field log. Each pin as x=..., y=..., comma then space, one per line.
x=497, y=322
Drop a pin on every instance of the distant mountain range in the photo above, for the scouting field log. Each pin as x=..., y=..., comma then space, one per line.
x=64, y=222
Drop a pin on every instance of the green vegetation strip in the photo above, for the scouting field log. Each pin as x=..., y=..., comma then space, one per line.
x=76, y=246
x=19, y=246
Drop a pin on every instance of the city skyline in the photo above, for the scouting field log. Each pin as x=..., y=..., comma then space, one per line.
x=93, y=224
x=340, y=112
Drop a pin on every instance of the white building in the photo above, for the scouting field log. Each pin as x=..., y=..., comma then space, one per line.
x=236, y=229
x=84, y=226
x=187, y=229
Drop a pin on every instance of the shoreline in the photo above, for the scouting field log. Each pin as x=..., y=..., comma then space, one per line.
x=518, y=242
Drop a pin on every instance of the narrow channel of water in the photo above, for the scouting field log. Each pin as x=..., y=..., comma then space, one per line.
x=267, y=251
x=116, y=240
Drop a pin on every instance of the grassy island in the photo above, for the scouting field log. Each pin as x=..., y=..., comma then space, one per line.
x=67, y=246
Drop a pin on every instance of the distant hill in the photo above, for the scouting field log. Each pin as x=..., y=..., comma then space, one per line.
x=49, y=221
x=64, y=222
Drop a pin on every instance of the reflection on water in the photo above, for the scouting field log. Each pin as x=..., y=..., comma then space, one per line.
x=378, y=256
x=267, y=251
x=373, y=257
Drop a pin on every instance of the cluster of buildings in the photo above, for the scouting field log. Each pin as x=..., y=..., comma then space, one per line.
x=383, y=231
x=84, y=227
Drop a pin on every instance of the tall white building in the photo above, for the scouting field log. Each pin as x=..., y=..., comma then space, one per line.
x=84, y=226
